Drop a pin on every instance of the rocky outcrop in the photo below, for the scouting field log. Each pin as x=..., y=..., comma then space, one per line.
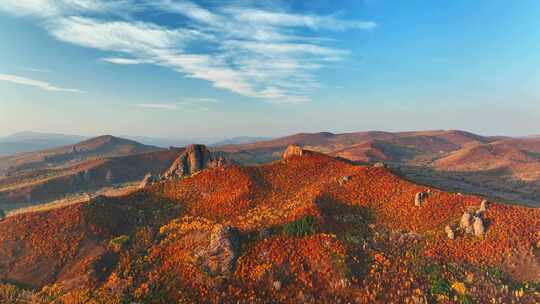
x=419, y=198
x=379, y=165
x=483, y=206
x=194, y=159
x=293, y=150
x=465, y=221
x=212, y=247
x=449, y=232
x=148, y=179
x=478, y=227
x=219, y=258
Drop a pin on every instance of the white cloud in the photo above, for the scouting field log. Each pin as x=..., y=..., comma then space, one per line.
x=189, y=104
x=119, y=36
x=55, y=8
x=161, y=106
x=294, y=20
x=37, y=70
x=265, y=54
x=34, y=83
x=127, y=61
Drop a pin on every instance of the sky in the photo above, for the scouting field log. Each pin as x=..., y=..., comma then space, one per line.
x=187, y=69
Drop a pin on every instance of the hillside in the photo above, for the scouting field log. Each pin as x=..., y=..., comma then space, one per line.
x=33, y=141
x=98, y=147
x=308, y=228
x=45, y=185
x=498, y=167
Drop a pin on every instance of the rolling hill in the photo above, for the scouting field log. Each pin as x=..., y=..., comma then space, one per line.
x=33, y=141
x=498, y=167
x=308, y=228
x=102, y=146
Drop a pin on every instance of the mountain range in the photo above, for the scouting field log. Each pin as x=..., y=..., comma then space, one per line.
x=305, y=228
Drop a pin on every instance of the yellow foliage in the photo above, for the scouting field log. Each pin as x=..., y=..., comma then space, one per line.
x=459, y=287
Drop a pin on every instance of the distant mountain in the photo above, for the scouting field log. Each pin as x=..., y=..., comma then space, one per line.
x=239, y=140
x=501, y=167
x=31, y=187
x=33, y=141
x=98, y=147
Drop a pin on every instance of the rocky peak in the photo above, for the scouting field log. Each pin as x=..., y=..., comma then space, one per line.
x=194, y=159
x=293, y=150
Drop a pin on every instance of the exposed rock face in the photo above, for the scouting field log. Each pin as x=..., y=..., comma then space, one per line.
x=147, y=180
x=465, y=221
x=483, y=206
x=194, y=159
x=219, y=258
x=293, y=150
x=478, y=227
x=343, y=180
x=449, y=232
x=379, y=165
x=419, y=198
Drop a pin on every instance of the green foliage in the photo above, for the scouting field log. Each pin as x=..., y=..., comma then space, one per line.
x=119, y=243
x=304, y=226
x=440, y=286
x=465, y=299
x=525, y=286
x=495, y=273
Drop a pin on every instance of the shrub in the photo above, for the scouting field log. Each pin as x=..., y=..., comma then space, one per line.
x=440, y=287
x=304, y=226
x=9, y=293
x=119, y=243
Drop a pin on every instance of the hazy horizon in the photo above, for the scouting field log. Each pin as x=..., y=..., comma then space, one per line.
x=201, y=69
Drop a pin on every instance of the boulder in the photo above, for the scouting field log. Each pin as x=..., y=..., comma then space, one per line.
x=343, y=180
x=483, y=206
x=147, y=180
x=194, y=159
x=478, y=227
x=293, y=150
x=465, y=221
x=449, y=232
x=379, y=165
x=219, y=257
x=419, y=198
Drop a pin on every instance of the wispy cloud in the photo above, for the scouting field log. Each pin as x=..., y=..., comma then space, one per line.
x=36, y=70
x=34, y=83
x=188, y=104
x=55, y=8
x=161, y=106
x=268, y=54
x=127, y=61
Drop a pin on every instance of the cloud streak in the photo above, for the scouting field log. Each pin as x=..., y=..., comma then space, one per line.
x=188, y=104
x=35, y=83
x=264, y=54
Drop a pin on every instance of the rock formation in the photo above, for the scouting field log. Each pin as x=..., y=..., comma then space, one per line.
x=293, y=150
x=343, y=180
x=483, y=206
x=219, y=258
x=419, y=198
x=465, y=221
x=194, y=159
x=148, y=179
x=478, y=227
x=449, y=232
x=379, y=165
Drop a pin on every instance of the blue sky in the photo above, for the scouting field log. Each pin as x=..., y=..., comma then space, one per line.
x=175, y=68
